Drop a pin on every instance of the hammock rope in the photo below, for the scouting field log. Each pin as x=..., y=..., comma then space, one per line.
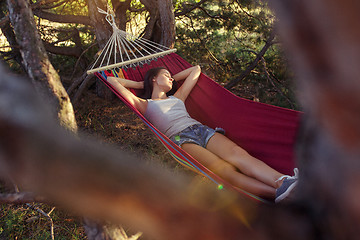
x=126, y=50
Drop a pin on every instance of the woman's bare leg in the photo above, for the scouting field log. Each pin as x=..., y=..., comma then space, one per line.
x=228, y=172
x=237, y=156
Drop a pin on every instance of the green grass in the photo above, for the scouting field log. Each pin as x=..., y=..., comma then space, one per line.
x=22, y=222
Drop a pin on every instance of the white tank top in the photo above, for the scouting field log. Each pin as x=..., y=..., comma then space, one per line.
x=169, y=115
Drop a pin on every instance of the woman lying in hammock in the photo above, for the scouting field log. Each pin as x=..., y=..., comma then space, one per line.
x=210, y=148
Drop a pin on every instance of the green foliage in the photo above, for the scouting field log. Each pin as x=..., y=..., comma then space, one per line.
x=225, y=36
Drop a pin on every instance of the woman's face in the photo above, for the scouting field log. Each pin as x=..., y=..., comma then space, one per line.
x=164, y=80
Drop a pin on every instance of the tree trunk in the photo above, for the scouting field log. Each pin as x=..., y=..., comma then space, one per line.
x=120, y=9
x=161, y=25
x=153, y=18
x=102, y=28
x=103, y=32
x=37, y=64
x=8, y=32
x=167, y=22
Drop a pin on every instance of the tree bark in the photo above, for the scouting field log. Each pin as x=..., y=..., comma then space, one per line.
x=66, y=51
x=167, y=22
x=8, y=32
x=102, y=28
x=85, y=20
x=153, y=18
x=103, y=32
x=120, y=9
x=161, y=25
x=43, y=75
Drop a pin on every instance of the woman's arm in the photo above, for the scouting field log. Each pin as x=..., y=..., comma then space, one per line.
x=128, y=83
x=191, y=76
x=121, y=86
x=185, y=73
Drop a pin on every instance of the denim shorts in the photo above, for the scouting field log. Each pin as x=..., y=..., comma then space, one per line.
x=198, y=134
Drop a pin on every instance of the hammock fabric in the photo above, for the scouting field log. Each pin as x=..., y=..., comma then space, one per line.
x=266, y=132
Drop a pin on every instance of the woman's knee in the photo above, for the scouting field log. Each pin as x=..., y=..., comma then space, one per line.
x=243, y=161
x=225, y=169
x=238, y=152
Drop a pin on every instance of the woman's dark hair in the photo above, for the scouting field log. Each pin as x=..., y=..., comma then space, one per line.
x=148, y=83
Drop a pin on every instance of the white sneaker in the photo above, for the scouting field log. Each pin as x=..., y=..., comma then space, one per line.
x=287, y=186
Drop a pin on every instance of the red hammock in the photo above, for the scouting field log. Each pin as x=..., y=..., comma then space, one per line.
x=266, y=132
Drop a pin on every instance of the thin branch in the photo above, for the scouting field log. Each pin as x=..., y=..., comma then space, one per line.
x=71, y=33
x=46, y=215
x=132, y=9
x=4, y=20
x=19, y=198
x=248, y=70
x=42, y=3
x=271, y=78
x=247, y=13
x=201, y=40
x=78, y=61
x=274, y=85
x=53, y=6
x=84, y=84
x=66, y=51
x=186, y=9
x=27, y=198
x=11, y=46
x=209, y=15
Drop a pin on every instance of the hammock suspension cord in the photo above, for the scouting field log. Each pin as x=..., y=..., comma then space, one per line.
x=126, y=50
